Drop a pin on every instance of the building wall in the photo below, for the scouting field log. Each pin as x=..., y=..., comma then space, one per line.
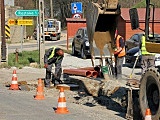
x=130, y=32
x=15, y=30
x=121, y=28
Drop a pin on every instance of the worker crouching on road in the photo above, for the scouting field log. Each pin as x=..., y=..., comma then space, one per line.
x=119, y=54
x=55, y=56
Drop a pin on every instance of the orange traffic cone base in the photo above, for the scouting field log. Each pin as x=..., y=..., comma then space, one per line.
x=39, y=97
x=14, y=87
x=40, y=91
x=14, y=83
x=62, y=111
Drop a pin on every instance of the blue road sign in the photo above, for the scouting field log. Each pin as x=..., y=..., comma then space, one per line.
x=21, y=13
x=76, y=7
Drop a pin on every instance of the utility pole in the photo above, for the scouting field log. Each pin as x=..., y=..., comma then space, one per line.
x=3, y=44
x=41, y=31
x=51, y=3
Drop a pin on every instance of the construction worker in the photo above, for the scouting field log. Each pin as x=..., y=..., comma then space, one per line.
x=119, y=54
x=54, y=55
x=148, y=59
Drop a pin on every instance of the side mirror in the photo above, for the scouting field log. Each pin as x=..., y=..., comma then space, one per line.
x=134, y=18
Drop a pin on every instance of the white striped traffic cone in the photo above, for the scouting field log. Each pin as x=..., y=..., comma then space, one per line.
x=14, y=83
x=62, y=109
x=148, y=115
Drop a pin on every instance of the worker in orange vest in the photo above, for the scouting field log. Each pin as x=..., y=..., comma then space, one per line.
x=119, y=54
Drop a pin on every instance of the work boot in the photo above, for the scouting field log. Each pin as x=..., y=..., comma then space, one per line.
x=60, y=81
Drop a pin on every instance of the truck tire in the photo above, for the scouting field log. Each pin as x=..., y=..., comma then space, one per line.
x=149, y=95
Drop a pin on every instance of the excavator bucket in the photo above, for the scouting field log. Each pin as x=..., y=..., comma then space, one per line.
x=102, y=19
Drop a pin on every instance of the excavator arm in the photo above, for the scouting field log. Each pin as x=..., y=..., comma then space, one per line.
x=102, y=20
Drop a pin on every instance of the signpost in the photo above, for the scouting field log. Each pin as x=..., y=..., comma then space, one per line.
x=21, y=13
x=11, y=22
x=76, y=7
x=20, y=22
x=24, y=22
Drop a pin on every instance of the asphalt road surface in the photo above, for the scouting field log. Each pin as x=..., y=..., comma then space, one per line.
x=20, y=105
x=33, y=45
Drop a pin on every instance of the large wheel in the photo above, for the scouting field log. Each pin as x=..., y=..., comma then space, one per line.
x=150, y=93
x=74, y=52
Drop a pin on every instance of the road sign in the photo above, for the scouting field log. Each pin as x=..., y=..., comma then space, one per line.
x=24, y=22
x=11, y=22
x=76, y=7
x=21, y=13
x=77, y=16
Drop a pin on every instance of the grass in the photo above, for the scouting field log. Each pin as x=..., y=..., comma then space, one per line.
x=141, y=4
x=24, y=59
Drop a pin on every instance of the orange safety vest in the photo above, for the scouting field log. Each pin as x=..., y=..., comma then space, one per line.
x=122, y=53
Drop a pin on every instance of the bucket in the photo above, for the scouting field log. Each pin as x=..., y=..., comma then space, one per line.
x=104, y=69
x=105, y=72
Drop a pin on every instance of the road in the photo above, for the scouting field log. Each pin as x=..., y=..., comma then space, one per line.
x=18, y=105
x=33, y=45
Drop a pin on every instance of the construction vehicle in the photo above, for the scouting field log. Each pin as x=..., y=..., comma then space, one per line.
x=52, y=29
x=102, y=20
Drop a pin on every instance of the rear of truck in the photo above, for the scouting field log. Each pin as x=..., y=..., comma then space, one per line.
x=52, y=29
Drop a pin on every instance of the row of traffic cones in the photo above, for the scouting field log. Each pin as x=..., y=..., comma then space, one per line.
x=61, y=109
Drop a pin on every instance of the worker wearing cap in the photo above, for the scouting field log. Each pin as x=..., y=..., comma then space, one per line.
x=54, y=55
x=119, y=54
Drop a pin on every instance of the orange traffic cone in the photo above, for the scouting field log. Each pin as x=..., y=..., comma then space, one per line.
x=148, y=115
x=14, y=83
x=61, y=109
x=40, y=90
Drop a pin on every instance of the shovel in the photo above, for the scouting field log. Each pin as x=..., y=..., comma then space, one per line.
x=134, y=64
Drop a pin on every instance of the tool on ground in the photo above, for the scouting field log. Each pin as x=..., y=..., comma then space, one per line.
x=14, y=83
x=61, y=109
x=135, y=64
x=40, y=90
x=148, y=114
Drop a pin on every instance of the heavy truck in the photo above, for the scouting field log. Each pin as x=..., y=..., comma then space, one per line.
x=102, y=20
x=52, y=29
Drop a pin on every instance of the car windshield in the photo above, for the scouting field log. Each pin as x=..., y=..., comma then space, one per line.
x=85, y=33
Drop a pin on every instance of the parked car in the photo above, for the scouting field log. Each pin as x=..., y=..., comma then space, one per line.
x=135, y=40
x=80, y=43
x=132, y=54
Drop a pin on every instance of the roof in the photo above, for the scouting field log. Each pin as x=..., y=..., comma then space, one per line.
x=141, y=14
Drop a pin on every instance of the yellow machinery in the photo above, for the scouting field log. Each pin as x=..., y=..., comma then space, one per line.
x=102, y=20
